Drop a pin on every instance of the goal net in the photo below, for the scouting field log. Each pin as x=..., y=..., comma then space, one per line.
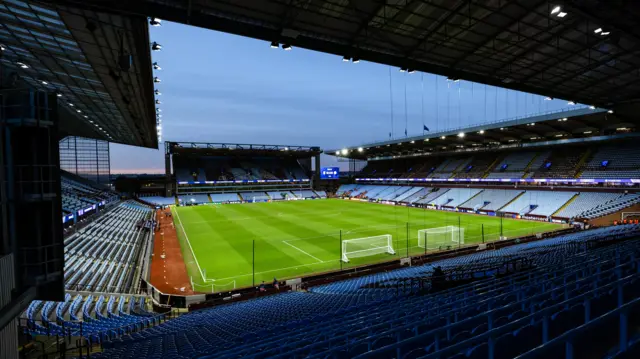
x=440, y=237
x=367, y=246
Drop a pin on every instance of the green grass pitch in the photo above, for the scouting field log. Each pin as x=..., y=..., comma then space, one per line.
x=297, y=238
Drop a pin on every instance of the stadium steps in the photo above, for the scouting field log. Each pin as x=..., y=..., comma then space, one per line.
x=209, y=198
x=566, y=204
x=526, y=171
x=580, y=165
x=492, y=166
x=472, y=197
x=512, y=200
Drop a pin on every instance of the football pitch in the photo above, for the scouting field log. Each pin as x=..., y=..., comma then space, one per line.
x=238, y=245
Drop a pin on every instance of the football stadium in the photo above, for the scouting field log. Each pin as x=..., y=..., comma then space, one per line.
x=485, y=235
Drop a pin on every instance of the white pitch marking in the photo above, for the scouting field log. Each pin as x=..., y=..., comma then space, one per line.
x=319, y=260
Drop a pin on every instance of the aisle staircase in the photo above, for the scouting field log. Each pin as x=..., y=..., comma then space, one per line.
x=566, y=204
x=527, y=169
x=580, y=165
x=512, y=200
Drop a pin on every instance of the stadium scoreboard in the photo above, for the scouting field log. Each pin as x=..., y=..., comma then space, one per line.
x=330, y=173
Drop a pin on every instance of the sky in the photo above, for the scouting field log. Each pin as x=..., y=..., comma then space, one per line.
x=224, y=88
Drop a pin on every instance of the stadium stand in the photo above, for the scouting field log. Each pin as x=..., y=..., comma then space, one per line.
x=491, y=199
x=612, y=206
x=159, y=201
x=478, y=167
x=585, y=202
x=562, y=163
x=254, y=196
x=538, y=203
x=78, y=194
x=514, y=165
x=193, y=198
x=614, y=161
x=225, y=197
x=521, y=298
x=447, y=168
x=103, y=256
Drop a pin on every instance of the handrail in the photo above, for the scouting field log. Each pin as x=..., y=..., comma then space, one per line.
x=455, y=348
x=568, y=336
x=579, y=267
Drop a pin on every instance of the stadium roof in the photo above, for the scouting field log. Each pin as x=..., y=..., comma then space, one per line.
x=239, y=149
x=561, y=127
x=82, y=56
x=579, y=50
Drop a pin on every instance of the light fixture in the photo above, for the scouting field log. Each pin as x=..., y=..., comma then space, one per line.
x=461, y=134
x=337, y=153
x=286, y=148
x=442, y=137
x=44, y=82
x=411, y=71
x=345, y=151
x=481, y=132
x=157, y=92
x=360, y=149
x=559, y=135
x=548, y=98
x=58, y=93
x=605, y=33
x=453, y=79
x=158, y=110
x=501, y=128
x=571, y=103
x=156, y=66
x=402, y=69
x=610, y=111
x=155, y=22
x=78, y=111
x=355, y=60
x=413, y=141
x=592, y=107
x=70, y=104
x=85, y=116
x=587, y=132
x=156, y=79
x=562, y=14
x=274, y=45
x=426, y=140
x=22, y=65
x=555, y=10
x=2, y=48
x=156, y=46
x=158, y=102
x=598, y=30
x=286, y=47
x=346, y=59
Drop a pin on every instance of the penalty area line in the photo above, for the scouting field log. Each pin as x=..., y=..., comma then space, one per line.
x=317, y=259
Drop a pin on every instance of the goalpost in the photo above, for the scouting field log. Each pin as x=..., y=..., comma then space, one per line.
x=440, y=236
x=629, y=215
x=367, y=246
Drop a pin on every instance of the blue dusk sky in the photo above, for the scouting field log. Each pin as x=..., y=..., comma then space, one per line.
x=218, y=87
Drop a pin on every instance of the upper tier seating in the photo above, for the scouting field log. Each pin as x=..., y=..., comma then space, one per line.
x=449, y=166
x=478, y=166
x=103, y=256
x=612, y=206
x=518, y=297
x=623, y=162
x=562, y=163
x=540, y=203
x=513, y=165
x=456, y=196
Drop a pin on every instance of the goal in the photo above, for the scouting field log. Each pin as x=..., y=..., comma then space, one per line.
x=440, y=236
x=367, y=246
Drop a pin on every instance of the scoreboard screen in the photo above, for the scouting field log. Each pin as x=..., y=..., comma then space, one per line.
x=330, y=173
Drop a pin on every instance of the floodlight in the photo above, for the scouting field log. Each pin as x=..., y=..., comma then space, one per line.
x=58, y=93
x=155, y=22
x=605, y=33
x=345, y=151
x=610, y=111
x=355, y=60
x=481, y=132
x=360, y=149
x=598, y=30
x=70, y=104
x=22, y=65
x=411, y=71
x=556, y=10
x=346, y=59
x=156, y=46
x=286, y=47
x=571, y=103
x=402, y=69
x=274, y=45
x=548, y=98
x=157, y=92
x=337, y=153
x=501, y=128
x=156, y=66
x=156, y=79
x=592, y=107
x=442, y=138
x=158, y=102
x=2, y=47
x=461, y=134
x=44, y=82
x=562, y=14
